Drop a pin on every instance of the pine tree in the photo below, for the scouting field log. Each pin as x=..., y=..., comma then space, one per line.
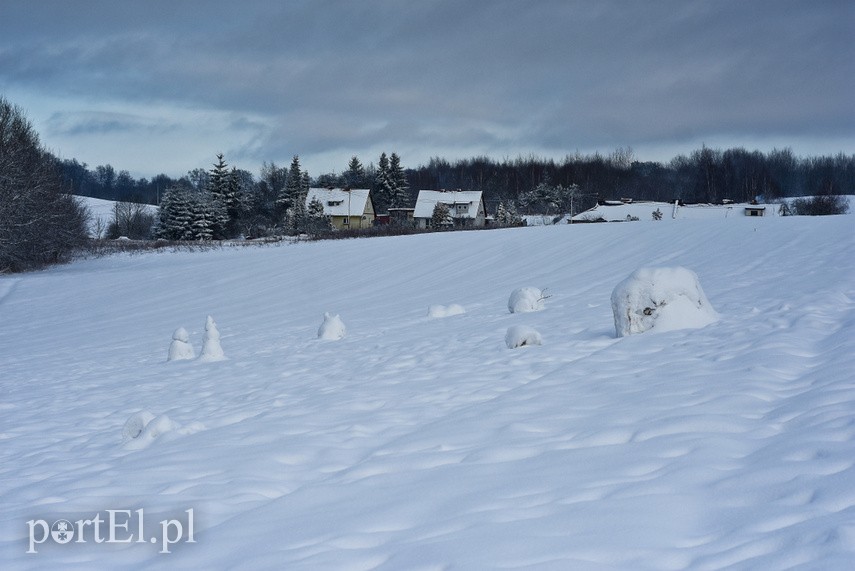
x=318, y=221
x=294, y=186
x=206, y=216
x=355, y=175
x=223, y=198
x=441, y=217
x=175, y=215
x=382, y=185
x=400, y=188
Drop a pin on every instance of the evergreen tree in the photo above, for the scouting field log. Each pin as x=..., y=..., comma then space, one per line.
x=355, y=175
x=234, y=204
x=382, y=185
x=506, y=215
x=318, y=221
x=400, y=188
x=441, y=217
x=224, y=200
x=174, y=215
x=294, y=186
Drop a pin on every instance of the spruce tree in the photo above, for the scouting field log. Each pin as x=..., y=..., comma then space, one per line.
x=223, y=199
x=355, y=175
x=318, y=221
x=400, y=188
x=382, y=185
x=441, y=217
x=294, y=186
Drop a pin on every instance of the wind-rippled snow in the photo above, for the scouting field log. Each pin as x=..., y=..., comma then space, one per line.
x=419, y=443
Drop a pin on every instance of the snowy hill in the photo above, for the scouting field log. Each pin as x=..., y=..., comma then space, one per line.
x=102, y=210
x=644, y=211
x=419, y=442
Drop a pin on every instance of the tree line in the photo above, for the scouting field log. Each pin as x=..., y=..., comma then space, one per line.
x=705, y=175
x=40, y=223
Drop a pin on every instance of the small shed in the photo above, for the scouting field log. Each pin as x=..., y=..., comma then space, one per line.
x=755, y=210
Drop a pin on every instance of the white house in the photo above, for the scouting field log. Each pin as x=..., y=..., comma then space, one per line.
x=347, y=208
x=466, y=207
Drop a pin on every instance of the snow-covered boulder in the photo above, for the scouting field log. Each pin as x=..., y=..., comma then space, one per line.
x=662, y=298
x=180, y=348
x=522, y=336
x=332, y=329
x=437, y=311
x=211, y=348
x=526, y=299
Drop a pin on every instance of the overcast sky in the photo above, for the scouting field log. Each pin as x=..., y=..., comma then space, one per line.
x=162, y=86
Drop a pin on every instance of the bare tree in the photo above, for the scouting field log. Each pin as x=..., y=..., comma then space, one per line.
x=131, y=220
x=39, y=224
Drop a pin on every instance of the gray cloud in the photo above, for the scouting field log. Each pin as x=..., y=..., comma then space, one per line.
x=507, y=77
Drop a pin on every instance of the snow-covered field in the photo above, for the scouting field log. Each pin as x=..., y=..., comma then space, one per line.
x=420, y=442
x=643, y=211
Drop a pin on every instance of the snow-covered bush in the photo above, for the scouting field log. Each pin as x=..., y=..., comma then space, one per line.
x=660, y=298
x=180, y=348
x=445, y=311
x=522, y=336
x=211, y=348
x=526, y=299
x=332, y=328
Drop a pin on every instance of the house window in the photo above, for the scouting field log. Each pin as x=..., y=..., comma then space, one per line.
x=345, y=221
x=462, y=208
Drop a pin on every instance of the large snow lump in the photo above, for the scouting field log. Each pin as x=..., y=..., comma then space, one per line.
x=522, y=336
x=180, y=348
x=526, y=299
x=332, y=329
x=662, y=298
x=211, y=348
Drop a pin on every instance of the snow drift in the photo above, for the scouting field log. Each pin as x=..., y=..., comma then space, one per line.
x=439, y=311
x=660, y=298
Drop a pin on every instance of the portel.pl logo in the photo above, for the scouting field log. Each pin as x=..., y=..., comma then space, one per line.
x=119, y=526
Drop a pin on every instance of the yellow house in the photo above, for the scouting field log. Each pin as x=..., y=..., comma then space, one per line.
x=346, y=208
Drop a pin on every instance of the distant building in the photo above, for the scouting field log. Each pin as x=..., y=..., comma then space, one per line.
x=465, y=206
x=754, y=210
x=346, y=208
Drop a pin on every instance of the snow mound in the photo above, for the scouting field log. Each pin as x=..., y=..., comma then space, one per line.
x=526, y=299
x=180, y=348
x=136, y=424
x=211, y=348
x=152, y=429
x=445, y=311
x=332, y=329
x=522, y=336
x=662, y=298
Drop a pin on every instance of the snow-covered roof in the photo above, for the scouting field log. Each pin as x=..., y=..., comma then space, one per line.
x=428, y=198
x=340, y=202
